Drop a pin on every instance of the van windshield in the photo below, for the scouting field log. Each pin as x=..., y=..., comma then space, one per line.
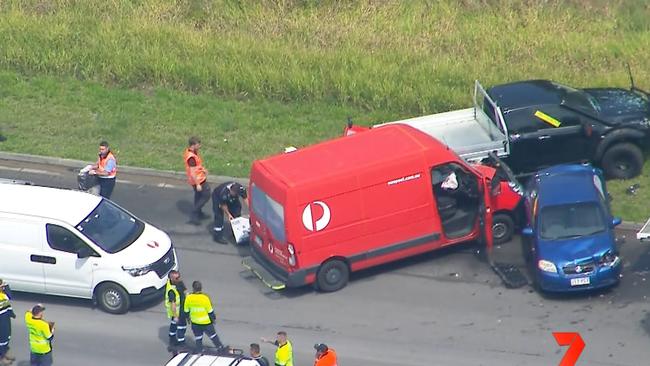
x=111, y=227
x=270, y=212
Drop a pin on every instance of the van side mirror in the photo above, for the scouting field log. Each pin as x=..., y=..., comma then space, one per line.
x=84, y=252
x=616, y=221
x=527, y=231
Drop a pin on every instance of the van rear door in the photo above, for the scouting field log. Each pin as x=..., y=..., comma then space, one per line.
x=21, y=261
x=269, y=230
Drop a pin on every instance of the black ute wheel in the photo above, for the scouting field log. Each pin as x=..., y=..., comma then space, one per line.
x=112, y=298
x=623, y=161
x=502, y=228
x=332, y=276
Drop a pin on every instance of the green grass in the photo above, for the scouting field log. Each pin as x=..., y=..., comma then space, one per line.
x=262, y=75
x=404, y=56
x=66, y=117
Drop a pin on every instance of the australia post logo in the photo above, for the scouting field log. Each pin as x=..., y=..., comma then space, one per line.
x=316, y=216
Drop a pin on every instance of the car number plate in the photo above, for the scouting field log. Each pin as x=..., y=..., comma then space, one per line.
x=580, y=281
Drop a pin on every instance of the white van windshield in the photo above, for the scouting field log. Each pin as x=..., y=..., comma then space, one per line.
x=270, y=212
x=111, y=227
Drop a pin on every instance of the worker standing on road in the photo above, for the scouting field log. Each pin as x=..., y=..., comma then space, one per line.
x=201, y=315
x=225, y=203
x=257, y=356
x=6, y=314
x=40, y=336
x=174, y=301
x=284, y=352
x=106, y=170
x=197, y=177
x=325, y=356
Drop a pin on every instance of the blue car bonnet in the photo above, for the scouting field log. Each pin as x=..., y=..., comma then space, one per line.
x=561, y=251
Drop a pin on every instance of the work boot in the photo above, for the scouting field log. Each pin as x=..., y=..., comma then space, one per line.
x=194, y=221
x=10, y=357
x=220, y=240
x=218, y=237
x=5, y=361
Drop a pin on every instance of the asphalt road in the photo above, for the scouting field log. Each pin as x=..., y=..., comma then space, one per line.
x=445, y=308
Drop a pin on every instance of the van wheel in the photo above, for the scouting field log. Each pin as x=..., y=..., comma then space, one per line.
x=502, y=228
x=623, y=161
x=332, y=276
x=112, y=298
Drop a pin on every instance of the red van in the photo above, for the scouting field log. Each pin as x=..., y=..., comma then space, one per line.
x=354, y=202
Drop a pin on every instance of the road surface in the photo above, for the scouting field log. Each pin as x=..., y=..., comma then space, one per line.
x=445, y=308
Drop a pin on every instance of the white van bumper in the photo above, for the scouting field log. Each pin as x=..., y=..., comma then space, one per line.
x=151, y=285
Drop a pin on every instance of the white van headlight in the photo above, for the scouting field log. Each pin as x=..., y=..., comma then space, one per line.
x=137, y=271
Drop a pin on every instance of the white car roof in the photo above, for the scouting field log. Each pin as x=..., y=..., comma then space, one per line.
x=62, y=204
x=186, y=359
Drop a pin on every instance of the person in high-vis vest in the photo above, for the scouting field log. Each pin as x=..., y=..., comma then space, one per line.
x=40, y=336
x=284, y=352
x=174, y=301
x=106, y=170
x=325, y=356
x=198, y=308
x=197, y=177
x=6, y=314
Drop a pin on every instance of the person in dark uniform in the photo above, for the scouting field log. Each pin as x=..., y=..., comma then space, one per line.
x=225, y=203
x=257, y=356
x=6, y=314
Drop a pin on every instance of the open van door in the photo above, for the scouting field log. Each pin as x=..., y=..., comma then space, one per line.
x=485, y=219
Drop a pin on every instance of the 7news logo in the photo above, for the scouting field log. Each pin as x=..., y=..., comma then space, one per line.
x=575, y=343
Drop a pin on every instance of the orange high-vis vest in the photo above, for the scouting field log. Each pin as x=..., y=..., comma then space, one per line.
x=197, y=171
x=326, y=359
x=102, y=165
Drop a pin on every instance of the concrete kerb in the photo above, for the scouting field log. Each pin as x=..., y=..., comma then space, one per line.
x=78, y=164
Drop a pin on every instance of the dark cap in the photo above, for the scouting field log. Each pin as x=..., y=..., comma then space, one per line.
x=320, y=347
x=37, y=309
x=239, y=189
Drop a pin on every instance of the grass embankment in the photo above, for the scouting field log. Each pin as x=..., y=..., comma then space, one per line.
x=145, y=75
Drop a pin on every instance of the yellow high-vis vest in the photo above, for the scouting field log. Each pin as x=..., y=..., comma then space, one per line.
x=199, y=306
x=168, y=305
x=39, y=334
x=284, y=355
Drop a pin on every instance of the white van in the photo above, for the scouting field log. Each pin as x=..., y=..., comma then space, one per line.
x=70, y=243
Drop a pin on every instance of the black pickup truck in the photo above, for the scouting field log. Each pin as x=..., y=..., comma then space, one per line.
x=549, y=123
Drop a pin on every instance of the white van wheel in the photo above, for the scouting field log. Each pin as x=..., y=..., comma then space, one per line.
x=112, y=298
x=332, y=276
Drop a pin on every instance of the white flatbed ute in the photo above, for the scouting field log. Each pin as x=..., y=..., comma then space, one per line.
x=190, y=359
x=470, y=132
x=644, y=233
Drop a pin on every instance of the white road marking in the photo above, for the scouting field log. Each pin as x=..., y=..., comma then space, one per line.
x=50, y=173
x=27, y=170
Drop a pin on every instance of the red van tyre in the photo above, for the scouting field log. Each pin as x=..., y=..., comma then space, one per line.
x=332, y=276
x=502, y=228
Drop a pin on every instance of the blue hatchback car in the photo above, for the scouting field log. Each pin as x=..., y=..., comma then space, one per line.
x=569, y=240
